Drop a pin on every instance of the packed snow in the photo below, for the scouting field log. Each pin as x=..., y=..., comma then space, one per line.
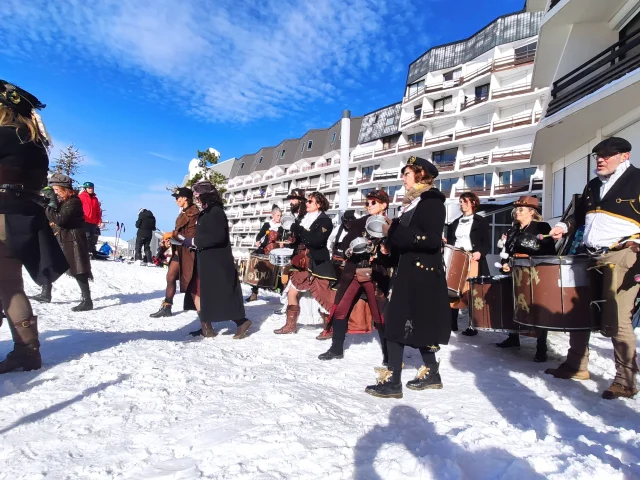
x=125, y=396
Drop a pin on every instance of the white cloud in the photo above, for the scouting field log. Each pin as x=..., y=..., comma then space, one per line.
x=228, y=60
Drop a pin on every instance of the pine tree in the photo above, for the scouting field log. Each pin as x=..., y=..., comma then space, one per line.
x=206, y=160
x=68, y=162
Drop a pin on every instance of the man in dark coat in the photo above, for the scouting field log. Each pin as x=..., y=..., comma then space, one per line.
x=146, y=225
x=219, y=286
x=25, y=236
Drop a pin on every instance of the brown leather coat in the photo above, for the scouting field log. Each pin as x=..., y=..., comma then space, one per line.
x=186, y=226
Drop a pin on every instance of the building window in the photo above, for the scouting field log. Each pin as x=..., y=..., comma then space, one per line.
x=309, y=144
x=526, y=51
x=452, y=75
x=522, y=175
x=417, y=111
x=444, y=157
x=390, y=121
x=478, y=182
x=446, y=184
x=415, y=88
x=366, y=191
x=443, y=104
x=333, y=138
x=482, y=91
x=282, y=153
x=392, y=190
x=375, y=119
x=241, y=165
x=260, y=159
x=302, y=149
x=415, y=138
x=368, y=171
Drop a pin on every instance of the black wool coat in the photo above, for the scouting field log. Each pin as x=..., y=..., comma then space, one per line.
x=220, y=290
x=145, y=224
x=69, y=229
x=315, y=239
x=29, y=236
x=418, y=312
x=526, y=240
x=480, y=240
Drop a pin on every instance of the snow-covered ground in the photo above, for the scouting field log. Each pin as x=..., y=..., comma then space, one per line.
x=125, y=396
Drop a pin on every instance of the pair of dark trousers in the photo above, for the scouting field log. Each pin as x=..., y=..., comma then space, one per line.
x=396, y=353
x=92, y=231
x=12, y=297
x=146, y=243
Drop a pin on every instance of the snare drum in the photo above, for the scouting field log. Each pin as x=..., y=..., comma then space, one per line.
x=557, y=293
x=259, y=272
x=281, y=257
x=456, y=263
x=491, y=304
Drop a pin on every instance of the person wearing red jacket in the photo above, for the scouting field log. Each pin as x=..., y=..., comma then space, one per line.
x=92, y=215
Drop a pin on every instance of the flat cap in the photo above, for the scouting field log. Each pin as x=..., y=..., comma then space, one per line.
x=612, y=146
x=428, y=167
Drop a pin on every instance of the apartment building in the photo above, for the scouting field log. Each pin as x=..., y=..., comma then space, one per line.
x=589, y=54
x=470, y=107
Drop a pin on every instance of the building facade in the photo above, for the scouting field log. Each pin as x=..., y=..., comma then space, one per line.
x=469, y=107
x=589, y=54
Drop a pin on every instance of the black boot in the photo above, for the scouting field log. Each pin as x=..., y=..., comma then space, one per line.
x=336, y=351
x=45, y=295
x=513, y=340
x=26, y=347
x=470, y=332
x=205, y=331
x=541, y=350
x=454, y=319
x=387, y=386
x=86, y=304
x=383, y=343
x=165, y=311
x=253, y=297
x=427, y=377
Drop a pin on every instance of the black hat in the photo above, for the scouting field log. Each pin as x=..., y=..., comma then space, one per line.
x=612, y=146
x=60, y=180
x=349, y=215
x=182, y=192
x=203, y=186
x=296, y=194
x=18, y=99
x=429, y=168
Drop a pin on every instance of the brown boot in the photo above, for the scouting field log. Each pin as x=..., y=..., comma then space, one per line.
x=291, y=326
x=205, y=331
x=26, y=348
x=243, y=326
x=567, y=373
x=617, y=390
x=327, y=331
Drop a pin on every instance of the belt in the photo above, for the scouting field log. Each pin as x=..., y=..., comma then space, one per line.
x=595, y=252
x=22, y=179
x=17, y=187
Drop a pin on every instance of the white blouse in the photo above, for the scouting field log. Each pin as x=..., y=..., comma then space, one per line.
x=463, y=233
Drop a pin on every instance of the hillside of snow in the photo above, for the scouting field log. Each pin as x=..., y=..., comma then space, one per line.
x=124, y=396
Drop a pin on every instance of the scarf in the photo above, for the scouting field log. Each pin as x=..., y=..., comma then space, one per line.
x=308, y=219
x=273, y=225
x=412, y=197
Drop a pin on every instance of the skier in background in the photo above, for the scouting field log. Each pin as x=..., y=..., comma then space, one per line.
x=146, y=224
x=92, y=215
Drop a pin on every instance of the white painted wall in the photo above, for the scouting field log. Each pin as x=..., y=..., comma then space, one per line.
x=524, y=141
x=585, y=41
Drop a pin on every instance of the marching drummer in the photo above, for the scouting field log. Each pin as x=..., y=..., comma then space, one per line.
x=472, y=233
x=609, y=211
x=366, y=271
x=312, y=232
x=528, y=236
x=266, y=240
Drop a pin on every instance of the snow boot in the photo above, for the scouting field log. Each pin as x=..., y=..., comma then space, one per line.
x=454, y=319
x=291, y=325
x=565, y=372
x=252, y=298
x=470, y=332
x=540, y=356
x=327, y=330
x=26, y=347
x=243, y=327
x=427, y=377
x=340, y=327
x=385, y=387
x=45, y=294
x=617, y=390
x=513, y=340
x=165, y=311
x=206, y=331
x=86, y=303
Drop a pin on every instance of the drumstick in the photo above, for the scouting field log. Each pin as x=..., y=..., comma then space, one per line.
x=636, y=278
x=542, y=237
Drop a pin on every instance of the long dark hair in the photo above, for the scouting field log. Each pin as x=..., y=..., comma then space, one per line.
x=211, y=199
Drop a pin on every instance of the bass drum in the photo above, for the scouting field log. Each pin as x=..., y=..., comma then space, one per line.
x=456, y=264
x=491, y=304
x=259, y=272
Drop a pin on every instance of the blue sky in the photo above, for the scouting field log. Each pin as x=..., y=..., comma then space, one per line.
x=139, y=85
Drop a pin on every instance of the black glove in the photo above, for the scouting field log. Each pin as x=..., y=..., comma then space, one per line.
x=50, y=197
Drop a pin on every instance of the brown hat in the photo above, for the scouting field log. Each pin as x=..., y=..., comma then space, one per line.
x=379, y=195
x=527, y=201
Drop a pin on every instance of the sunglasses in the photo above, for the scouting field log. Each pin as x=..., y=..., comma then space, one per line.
x=522, y=209
x=371, y=203
x=310, y=201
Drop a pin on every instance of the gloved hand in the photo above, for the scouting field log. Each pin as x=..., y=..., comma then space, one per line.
x=188, y=242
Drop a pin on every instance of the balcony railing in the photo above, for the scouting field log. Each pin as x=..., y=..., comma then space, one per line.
x=409, y=121
x=359, y=203
x=480, y=191
x=385, y=176
x=384, y=151
x=362, y=156
x=279, y=174
x=473, y=131
x=609, y=65
x=447, y=137
x=365, y=179
x=445, y=166
x=515, y=121
x=518, y=187
x=280, y=192
x=306, y=168
x=409, y=146
x=474, y=161
x=473, y=102
x=507, y=92
x=516, y=60
x=511, y=156
x=437, y=113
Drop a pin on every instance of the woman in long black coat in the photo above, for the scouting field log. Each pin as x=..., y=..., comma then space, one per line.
x=472, y=233
x=68, y=220
x=26, y=239
x=418, y=313
x=219, y=288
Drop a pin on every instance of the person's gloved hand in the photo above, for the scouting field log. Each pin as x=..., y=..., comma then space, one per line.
x=188, y=242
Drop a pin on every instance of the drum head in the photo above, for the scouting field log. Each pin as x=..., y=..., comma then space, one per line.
x=373, y=226
x=287, y=221
x=359, y=245
x=285, y=252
